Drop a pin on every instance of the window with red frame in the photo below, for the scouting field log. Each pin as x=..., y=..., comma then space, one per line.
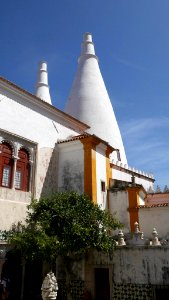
x=6, y=165
x=22, y=171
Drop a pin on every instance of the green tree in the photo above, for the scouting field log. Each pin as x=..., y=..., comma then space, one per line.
x=62, y=224
x=166, y=189
x=67, y=225
x=158, y=189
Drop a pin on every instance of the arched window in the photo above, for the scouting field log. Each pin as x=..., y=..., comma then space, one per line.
x=6, y=165
x=22, y=171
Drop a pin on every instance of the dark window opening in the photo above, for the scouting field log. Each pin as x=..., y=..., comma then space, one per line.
x=103, y=186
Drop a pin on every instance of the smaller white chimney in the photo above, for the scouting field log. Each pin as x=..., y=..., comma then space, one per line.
x=42, y=87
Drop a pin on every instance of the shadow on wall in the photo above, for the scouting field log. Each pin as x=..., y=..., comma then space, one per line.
x=50, y=183
x=72, y=177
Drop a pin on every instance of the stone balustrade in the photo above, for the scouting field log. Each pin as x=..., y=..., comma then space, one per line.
x=125, y=166
x=137, y=238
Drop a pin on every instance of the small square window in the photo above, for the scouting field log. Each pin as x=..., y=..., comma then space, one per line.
x=103, y=186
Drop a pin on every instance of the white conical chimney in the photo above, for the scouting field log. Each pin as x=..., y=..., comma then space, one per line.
x=42, y=88
x=89, y=101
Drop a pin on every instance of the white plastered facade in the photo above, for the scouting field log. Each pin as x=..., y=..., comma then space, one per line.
x=35, y=125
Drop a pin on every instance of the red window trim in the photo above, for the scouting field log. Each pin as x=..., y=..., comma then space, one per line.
x=5, y=161
x=23, y=166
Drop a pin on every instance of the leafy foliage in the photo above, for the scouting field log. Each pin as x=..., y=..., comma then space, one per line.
x=166, y=189
x=63, y=224
x=158, y=189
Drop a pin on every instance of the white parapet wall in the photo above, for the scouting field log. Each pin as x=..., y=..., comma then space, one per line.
x=157, y=216
x=123, y=172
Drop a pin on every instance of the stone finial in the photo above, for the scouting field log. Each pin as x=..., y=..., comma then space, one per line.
x=133, y=181
x=136, y=238
x=49, y=287
x=136, y=227
x=121, y=241
x=155, y=240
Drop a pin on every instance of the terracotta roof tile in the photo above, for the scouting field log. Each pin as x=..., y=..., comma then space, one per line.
x=83, y=136
x=75, y=138
x=154, y=205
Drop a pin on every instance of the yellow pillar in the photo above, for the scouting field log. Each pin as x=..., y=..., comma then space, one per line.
x=108, y=171
x=133, y=198
x=90, y=184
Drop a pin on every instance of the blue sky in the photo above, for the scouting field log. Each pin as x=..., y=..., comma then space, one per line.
x=132, y=42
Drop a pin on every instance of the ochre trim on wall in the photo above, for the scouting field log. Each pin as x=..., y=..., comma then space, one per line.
x=133, y=198
x=90, y=184
x=90, y=178
x=108, y=172
x=108, y=167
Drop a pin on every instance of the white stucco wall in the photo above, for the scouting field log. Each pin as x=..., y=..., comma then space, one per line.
x=154, y=217
x=71, y=166
x=101, y=175
x=27, y=120
x=118, y=203
x=31, y=122
x=133, y=271
x=13, y=207
x=141, y=265
x=24, y=120
x=46, y=178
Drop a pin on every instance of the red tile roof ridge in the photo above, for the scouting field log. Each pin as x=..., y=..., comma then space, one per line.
x=153, y=205
x=74, y=138
x=83, y=136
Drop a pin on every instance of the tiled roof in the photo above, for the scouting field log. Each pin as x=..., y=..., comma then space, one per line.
x=83, y=136
x=154, y=205
x=75, y=138
x=157, y=198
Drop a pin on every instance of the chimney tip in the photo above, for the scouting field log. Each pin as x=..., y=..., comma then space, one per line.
x=87, y=37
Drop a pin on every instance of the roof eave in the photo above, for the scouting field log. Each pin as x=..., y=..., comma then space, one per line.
x=76, y=124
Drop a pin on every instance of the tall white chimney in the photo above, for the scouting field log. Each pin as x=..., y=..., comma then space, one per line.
x=42, y=87
x=89, y=101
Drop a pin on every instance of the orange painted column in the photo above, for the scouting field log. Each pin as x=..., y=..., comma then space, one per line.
x=90, y=184
x=108, y=171
x=108, y=167
x=133, y=197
